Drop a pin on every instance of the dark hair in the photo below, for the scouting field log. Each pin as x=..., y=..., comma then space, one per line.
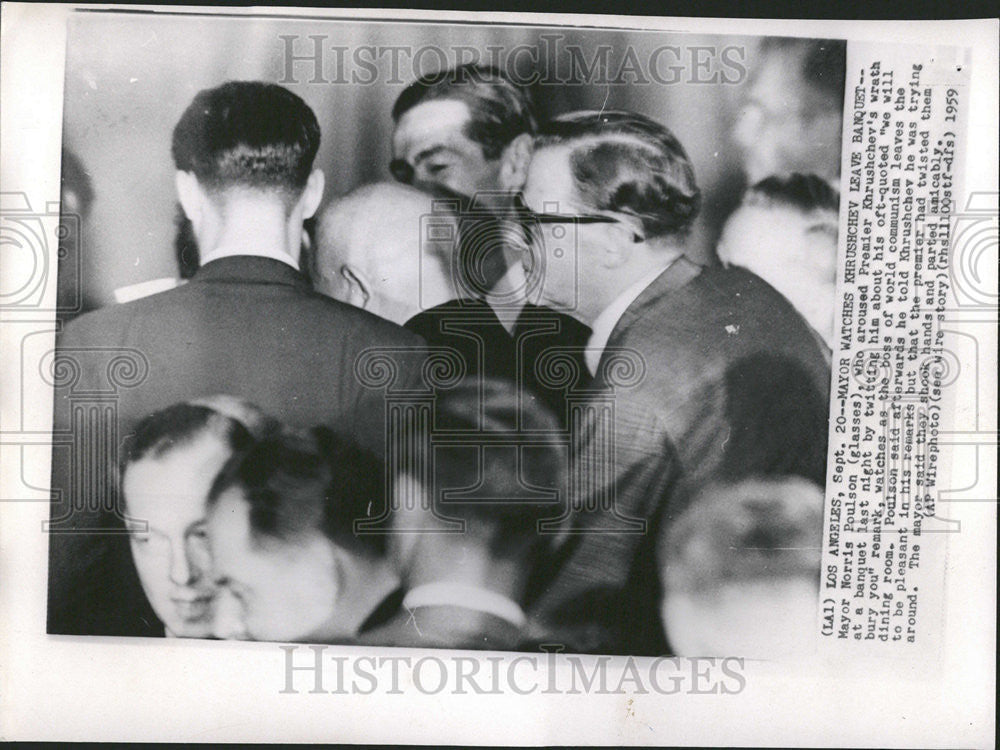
x=236, y=422
x=757, y=529
x=247, y=133
x=296, y=482
x=499, y=109
x=626, y=162
x=822, y=64
x=804, y=192
x=502, y=472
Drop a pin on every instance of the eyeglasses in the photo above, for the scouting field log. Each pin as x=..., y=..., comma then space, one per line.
x=529, y=217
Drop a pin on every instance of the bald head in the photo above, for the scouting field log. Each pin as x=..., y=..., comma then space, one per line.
x=376, y=242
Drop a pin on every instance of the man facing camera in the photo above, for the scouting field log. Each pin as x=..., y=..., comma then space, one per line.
x=666, y=333
x=248, y=322
x=469, y=130
x=741, y=570
x=281, y=531
x=171, y=460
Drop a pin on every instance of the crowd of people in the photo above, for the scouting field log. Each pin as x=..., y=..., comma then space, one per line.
x=489, y=405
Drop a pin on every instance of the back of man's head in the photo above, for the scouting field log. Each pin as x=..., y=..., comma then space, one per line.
x=297, y=483
x=740, y=569
x=785, y=231
x=499, y=109
x=385, y=247
x=247, y=134
x=494, y=465
x=626, y=162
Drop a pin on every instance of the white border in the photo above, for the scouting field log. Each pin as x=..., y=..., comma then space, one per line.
x=127, y=689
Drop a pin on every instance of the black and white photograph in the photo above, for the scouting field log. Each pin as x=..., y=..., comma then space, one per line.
x=417, y=343
x=629, y=355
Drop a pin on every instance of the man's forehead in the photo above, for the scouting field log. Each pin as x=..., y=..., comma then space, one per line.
x=550, y=175
x=229, y=516
x=429, y=121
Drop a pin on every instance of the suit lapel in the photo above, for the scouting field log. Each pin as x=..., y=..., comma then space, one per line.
x=676, y=275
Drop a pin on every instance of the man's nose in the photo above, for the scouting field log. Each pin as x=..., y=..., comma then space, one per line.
x=182, y=571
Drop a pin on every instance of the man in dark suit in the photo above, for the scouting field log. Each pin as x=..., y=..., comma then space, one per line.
x=468, y=131
x=247, y=324
x=464, y=526
x=390, y=249
x=682, y=357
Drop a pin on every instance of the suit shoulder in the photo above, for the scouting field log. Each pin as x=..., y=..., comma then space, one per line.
x=110, y=318
x=362, y=322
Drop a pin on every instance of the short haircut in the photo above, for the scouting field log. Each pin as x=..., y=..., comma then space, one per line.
x=822, y=64
x=234, y=421
x=804, y=192
x=248, y=134
x=499, y=109
x=299, y=482
x=626, y=162
x=502, y=489
x=749, y=531
x=809, y=195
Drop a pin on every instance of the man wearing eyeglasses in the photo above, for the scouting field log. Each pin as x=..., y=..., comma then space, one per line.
x=613, y=198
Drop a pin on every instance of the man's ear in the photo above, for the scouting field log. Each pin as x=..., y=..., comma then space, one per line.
x=313, y=193
x=190, y=195
x=515, y=160
x=358, y=288
x=620, y=245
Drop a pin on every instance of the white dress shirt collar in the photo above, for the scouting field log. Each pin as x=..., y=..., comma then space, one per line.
x=605, y=323
x=447, y=594
x=228, y=251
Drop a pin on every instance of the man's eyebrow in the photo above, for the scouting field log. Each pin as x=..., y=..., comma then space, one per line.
x=433, y=151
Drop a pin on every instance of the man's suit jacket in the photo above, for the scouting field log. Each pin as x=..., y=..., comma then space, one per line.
x=248, y=326
x=549, y=348
x=444, y=626
x=523, y=356
x=710, y=375
x=471, y=328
